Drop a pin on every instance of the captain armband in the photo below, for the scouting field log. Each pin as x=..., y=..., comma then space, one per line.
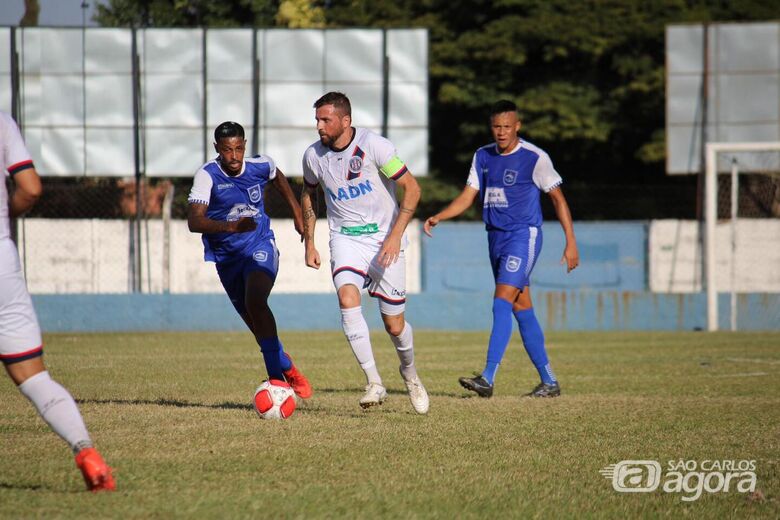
x=394, y=168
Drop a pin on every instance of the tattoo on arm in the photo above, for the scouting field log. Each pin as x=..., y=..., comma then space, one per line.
x=309, y=213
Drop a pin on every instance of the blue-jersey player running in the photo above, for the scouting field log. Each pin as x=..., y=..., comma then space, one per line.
x=509, y=175
x=226, y=205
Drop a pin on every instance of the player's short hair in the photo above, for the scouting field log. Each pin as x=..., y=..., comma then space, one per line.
x=502, y=106
x=228, y=129
x=339, y=101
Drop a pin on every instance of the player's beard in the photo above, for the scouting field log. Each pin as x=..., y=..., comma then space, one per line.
x=329, y=140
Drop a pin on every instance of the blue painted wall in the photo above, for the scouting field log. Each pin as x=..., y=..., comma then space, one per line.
x=614, y=257
x=608, y=292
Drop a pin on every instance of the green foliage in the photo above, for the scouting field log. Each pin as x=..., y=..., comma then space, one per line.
x=588, y=75
x=186, y=13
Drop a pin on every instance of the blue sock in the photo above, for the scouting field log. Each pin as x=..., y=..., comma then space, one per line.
x=499, y=337
x=533, y=341
x=284, y=359
x=271, y=349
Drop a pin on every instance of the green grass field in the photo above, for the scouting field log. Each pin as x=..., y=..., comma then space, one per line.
x=171, y=412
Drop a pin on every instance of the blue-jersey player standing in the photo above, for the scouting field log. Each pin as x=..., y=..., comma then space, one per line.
x=226, y=205
x=509, y=176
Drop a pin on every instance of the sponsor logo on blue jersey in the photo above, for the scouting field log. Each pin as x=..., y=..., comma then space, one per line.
x=496, y=198
x=254, y=193
x=224, y=186
x=351, y=192
x=242, y=210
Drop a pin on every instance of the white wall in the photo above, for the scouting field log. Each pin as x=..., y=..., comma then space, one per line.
x=675, y=256
x=93, y=256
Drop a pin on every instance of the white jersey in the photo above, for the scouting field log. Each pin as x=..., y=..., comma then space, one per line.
x=358, y=182
x=14, y=158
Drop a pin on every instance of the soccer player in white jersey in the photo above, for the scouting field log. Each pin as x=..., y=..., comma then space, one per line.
x=21, y=347
x=358, y=171
x=226, y=205
x=509, y=176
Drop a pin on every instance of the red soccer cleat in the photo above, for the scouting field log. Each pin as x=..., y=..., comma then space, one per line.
x=97, y=474
x=298, y=381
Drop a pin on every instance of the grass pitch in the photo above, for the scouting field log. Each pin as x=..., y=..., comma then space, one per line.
x=171, y=412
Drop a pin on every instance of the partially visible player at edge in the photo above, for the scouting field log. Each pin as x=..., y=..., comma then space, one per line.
x=21, y=347
x=226, y=205
x=359, y=171
x=509, y=176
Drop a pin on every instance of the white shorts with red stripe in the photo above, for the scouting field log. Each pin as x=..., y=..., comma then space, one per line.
x=20, y=335
x=353, y=261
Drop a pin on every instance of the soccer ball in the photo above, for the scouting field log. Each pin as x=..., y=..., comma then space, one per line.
x=274, y=399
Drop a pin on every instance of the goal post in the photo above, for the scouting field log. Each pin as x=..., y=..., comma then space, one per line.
x=735, y=160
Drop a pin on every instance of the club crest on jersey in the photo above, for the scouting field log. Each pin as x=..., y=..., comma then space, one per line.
x=510, y=177
x=260, y=256
x=355, y=163
x=513, y=263
x=254, y=193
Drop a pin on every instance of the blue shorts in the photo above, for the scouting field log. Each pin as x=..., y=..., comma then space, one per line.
x=513, y=255
x=233, y=273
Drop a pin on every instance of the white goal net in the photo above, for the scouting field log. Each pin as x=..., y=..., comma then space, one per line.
x=742, y=226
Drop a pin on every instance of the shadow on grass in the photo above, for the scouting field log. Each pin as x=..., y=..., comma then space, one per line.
x=29, y=487
x=168, y=402
x=176, y=403
x=391, y=391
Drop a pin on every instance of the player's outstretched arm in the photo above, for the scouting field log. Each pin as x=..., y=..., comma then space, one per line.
x=391, y=247
x=458, y=205
x=571, y=256
x=309, y=208
x=283, y=187
x=198, y=222
x=27, y=192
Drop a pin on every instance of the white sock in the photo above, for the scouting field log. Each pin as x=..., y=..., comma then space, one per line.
x=404, y=347
x=356, y=331
x=57, y=407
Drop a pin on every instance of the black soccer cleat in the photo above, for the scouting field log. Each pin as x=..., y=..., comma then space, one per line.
x=477, y=384
x=545, y=390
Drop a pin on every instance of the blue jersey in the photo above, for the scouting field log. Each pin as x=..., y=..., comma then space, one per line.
x=230, y=198
x=509, y=185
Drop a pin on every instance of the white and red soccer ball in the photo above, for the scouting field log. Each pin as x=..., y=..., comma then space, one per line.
x=274, y=399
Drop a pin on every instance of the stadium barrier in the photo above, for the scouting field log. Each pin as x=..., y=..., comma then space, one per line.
x=610, y=291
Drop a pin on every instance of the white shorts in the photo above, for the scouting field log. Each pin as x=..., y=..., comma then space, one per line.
x=353, y=261
x=20, y=335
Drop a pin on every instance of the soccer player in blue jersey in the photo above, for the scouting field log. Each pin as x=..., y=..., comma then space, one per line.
x=226, y=205
x=508, y=176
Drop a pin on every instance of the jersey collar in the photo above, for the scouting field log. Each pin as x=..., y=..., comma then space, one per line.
x=239, y=174
x=516, y=148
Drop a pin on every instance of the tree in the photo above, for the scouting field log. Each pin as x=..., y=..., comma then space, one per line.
x=588, y=76
x=186, y=13
x=31, y=11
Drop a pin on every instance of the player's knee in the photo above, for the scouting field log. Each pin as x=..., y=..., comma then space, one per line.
x=349, y=296
x=394, y=327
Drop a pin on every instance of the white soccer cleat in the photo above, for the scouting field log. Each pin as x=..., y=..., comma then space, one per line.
x=375, y=394
x=417, y=394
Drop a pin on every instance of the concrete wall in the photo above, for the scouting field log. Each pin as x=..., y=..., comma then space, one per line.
x=608, y=292
x=86, y=256
x=675, y=251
